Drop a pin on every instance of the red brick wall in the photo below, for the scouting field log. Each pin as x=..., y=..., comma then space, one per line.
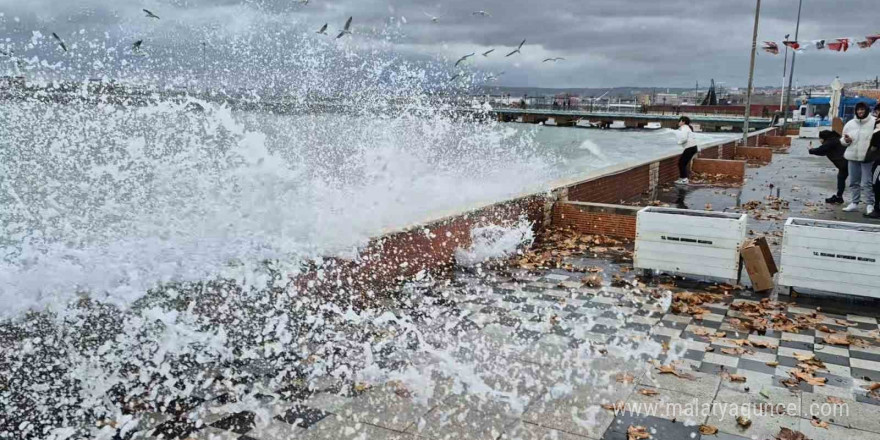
x=777, y=141
x=395, y=257
x=754, y=154
x=735, y=169
x=668, y=170
x=614, y=188
x=586, y=218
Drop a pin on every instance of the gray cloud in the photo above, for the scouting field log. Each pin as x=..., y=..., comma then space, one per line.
x=671, y=43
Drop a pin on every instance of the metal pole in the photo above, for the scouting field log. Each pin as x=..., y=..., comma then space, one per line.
x=784, y=68
x=751, y=74
x=791, y=72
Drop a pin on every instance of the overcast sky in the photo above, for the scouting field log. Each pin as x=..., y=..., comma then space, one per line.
x=671, y=43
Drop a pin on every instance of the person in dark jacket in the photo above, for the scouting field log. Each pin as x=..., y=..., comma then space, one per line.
x=833, y=150
x=875, y=141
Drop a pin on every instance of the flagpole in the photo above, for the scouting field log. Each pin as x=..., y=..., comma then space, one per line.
x=784, y=68
x=791, y=72
x=751, y=74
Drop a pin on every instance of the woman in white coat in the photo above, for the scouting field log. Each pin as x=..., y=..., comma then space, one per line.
x=857, y=138
x=686, y=139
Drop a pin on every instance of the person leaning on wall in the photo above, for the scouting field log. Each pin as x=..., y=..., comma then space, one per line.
x=686, y=138
x=833, y=150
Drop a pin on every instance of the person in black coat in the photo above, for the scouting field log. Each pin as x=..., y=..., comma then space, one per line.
x=875, y=141
x=833, y=150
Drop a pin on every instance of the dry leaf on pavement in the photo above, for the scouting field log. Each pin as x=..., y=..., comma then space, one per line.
x=625, y=378
x=648, y=392
x=788, y=434
x=616, y=406
x=819, y=423
x=637, y=433
x=708, y=430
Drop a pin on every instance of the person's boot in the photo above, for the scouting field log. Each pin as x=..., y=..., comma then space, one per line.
x=873, y=211
x=834, y=200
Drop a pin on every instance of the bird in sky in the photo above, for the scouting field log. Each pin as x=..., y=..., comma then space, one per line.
x=463, y=59
x=150, y=14
x=482, y=13
x=346, y=29
x=517, y=49
x=4, y=53
x=60, y=41
x=494, y=76
x=454, y=77
x=434, y=18
x=136, y=47
x=486, y=53
x=303, y=2
x=553, y=59
x=323, y=30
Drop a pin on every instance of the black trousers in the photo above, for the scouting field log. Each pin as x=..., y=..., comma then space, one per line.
x=684, y=160
x=876, y=188
x=842, y=175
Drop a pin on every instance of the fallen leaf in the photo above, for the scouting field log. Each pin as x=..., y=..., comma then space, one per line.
x=788, y=434
x=845, y=323
x=762, y=344
x=736, y=351
x=592, y=281
x=772, y=364
x=803, y=356
x=637, y=433
x=648, y=392
x=874, y=386
x=625, y=378
x=616, y=406
x=736, y=378
x=708, y=430
x=819, y=423
x=835, y=400
x=837, y=339
x=720, y=334
x=743, y=421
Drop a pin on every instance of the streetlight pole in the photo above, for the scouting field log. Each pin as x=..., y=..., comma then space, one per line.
x=751, y=74
x=791, y=72
x=784, y=68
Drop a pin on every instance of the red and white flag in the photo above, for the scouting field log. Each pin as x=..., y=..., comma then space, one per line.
x=792, y=44
x=840, y=44
x=771, y=47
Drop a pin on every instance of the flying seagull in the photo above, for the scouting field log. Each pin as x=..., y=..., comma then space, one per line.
x=553, y=59
x=4, y=53
x=454, y=77
x=150, y=14
x=517, y=49
x=486, y=53
x=346, y=29
x=303, y=2
x=482, y=13
x=136, y=47
x=462, y=59
x=60, y=41
x=323, y=30
x=434, y=18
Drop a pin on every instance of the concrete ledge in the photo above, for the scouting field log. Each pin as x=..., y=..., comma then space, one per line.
x=597, y=218
x=721, y=170
x=761, y=155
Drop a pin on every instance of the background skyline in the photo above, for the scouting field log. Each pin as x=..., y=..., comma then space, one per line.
x=640, y=43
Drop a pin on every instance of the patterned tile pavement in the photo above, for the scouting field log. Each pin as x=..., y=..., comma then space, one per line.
x=556, y=316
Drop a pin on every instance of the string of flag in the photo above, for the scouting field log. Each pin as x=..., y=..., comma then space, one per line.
x=834, y=44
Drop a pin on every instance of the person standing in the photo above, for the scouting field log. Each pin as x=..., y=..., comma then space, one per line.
x=686, y=139
x=857, y=138
x=875, y=176
x=833, y=150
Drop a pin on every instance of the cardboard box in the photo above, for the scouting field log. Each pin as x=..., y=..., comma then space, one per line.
x=759, y=264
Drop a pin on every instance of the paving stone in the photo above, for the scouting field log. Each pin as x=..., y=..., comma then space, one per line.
x=834, y=432
x=721, y=359
x=528, y=431
x=865, y=364
x=670, y=405
x=276, y=430
x=464, y=417
x=797, y=337
x=660, y=428
x=702, y=385
x=338, y=428
x=851, y=413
